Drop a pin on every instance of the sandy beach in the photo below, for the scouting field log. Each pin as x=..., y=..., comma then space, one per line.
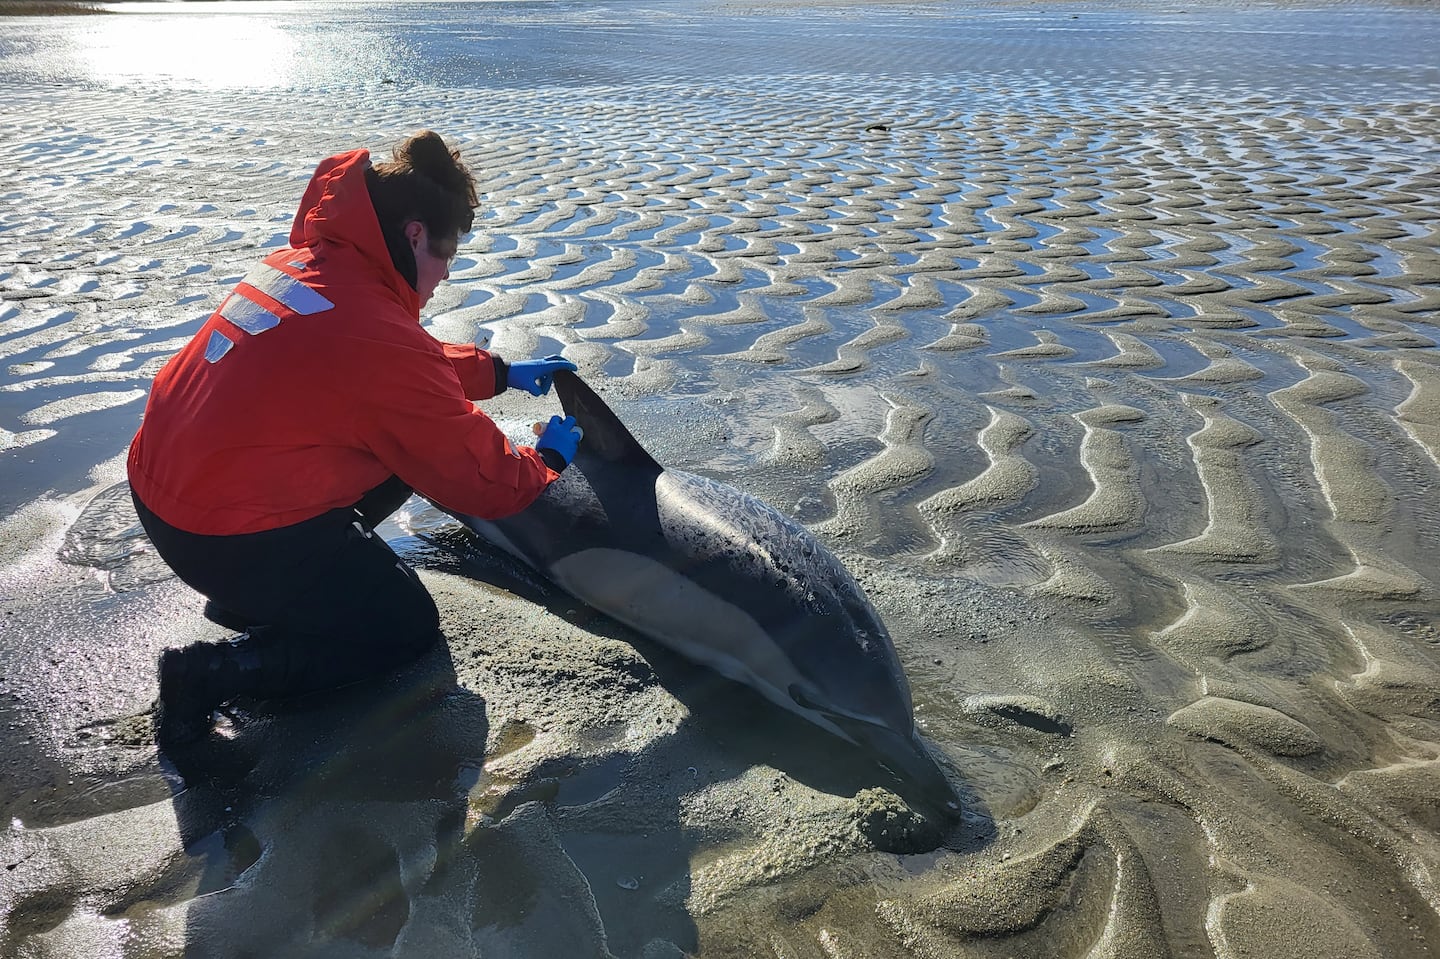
x=1098, y=340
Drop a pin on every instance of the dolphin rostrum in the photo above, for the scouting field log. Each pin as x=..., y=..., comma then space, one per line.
x=722, y=579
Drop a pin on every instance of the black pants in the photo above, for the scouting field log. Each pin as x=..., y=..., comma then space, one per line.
x=333, y=593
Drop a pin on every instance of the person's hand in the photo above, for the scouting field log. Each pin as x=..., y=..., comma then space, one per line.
x=560, y=435
x=535, y=376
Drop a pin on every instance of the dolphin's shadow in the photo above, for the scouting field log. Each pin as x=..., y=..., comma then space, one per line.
x=749, y=728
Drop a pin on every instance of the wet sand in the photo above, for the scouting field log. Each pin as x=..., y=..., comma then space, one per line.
x=1098, y=341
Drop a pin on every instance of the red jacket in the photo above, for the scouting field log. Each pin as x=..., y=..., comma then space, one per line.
x=314, y=382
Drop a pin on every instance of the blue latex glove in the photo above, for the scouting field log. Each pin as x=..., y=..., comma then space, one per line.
x=561, y=435
x=535, y=376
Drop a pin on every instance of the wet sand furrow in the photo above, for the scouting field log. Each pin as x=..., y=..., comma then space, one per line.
x=1217, y=625
x=1007, y=477
x=1419, y=414
x=1357, y=498
x=1116, y=500
x=902, y=460
x=1352, y=490
x=1237, y=528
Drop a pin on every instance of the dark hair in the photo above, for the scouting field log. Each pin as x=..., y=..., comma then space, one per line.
x=425, y=180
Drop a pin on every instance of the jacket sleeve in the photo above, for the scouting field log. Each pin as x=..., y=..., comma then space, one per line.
x=482, y=375
x=417, y=421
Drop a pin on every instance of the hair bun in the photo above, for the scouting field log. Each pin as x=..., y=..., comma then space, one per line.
x=426, y=153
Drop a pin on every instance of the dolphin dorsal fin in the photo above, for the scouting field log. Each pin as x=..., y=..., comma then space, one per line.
x=605, y=436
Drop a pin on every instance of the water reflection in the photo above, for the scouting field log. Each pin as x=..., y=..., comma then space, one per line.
x=264, y=44
x=224, y=46
x=208, y=51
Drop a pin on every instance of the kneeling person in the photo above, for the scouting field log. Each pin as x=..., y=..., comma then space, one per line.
x=305, y=411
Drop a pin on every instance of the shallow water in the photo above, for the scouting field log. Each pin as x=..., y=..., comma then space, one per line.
x=1098, y=340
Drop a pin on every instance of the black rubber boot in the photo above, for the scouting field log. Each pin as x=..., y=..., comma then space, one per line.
x=221, y=616
x=196, y=680
x=188, y=699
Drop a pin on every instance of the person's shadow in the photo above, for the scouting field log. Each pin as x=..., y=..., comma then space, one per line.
x=342, y=825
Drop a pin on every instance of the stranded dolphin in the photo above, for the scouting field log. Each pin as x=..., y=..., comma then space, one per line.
x=722, y=579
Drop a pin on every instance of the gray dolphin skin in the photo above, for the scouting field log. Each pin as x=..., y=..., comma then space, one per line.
x=725, y=581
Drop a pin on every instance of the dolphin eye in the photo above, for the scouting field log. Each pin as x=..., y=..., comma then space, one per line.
x=797, y=695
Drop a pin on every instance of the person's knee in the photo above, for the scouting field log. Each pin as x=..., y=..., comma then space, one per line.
x=391, y=642
x=417, y=627
x=377, y=603
x=420, y=639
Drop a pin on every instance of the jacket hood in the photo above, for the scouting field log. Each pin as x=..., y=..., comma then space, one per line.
x=336, y=209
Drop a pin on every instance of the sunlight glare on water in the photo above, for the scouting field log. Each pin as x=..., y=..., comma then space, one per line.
x=208, y=51
x=226, y=46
